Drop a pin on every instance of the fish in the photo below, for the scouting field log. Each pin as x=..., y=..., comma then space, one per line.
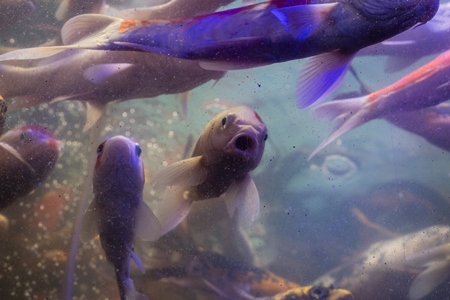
x=432, y=123
x=231, y=145
x=118, y=212
x=27, y=156
x=313, y=293
x=425, y=87
x=407, y=267
x=411, y=45
x=329, y=33
x=243, y=281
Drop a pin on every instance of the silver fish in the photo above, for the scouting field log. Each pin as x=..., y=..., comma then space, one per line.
x=231, y=145
x=118, y=212
x=27, y=156
x=407, y=267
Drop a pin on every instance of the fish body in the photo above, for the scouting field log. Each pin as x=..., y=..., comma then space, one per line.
x=231, y=145
x=256, y=35
x=432, y=123
x=411, y=45
x=118, y=212
x=427, y=86
x=418, y=262
x=313, y=293
x=28, y=155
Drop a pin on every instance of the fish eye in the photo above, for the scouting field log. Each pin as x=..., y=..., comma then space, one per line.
x=138, y=150
x=265, y=137
x=318, y=292
x=100, y=149
x=224, y=121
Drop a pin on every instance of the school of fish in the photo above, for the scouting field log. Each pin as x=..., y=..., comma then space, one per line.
x=101, y=55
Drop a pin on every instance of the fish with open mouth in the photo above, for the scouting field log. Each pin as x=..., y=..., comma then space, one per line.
x=231, y=145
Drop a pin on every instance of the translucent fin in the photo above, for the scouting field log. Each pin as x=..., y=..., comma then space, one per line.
x=147, y=225
x=89, y=228
x=174, y=208
x=301, y=20
x=137, y=260
x=187, y=172
x=321, y=75
x=33, y=53
x=16, y=154
x=243, y=196
x=94, y=112
x=82, y=26
x=99, y=73
x=348, y=114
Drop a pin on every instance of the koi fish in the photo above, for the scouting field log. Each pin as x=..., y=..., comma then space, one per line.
x=231, y=145
x=243, y=281
x=432, y=123
x=28, y=155
x=118, y=212
x=409, y=46
x=418, y=261
x=255, y=35
x=427, y=86
x=313, y=293
x=101, y=77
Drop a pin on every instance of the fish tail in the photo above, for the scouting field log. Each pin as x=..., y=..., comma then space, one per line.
x=347, y=114
x=127, y=290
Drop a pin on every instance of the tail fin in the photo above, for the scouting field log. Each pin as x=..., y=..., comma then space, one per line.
x=348, y=114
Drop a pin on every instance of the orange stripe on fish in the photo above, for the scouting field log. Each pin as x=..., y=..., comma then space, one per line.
x=441, y=62
x=127, y=24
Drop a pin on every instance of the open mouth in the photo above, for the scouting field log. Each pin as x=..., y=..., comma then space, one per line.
x=244, y=143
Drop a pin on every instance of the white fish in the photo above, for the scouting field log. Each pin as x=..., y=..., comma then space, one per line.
x=118, y=212
x=230, y=146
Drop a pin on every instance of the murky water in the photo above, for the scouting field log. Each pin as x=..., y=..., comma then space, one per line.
x=375, y=183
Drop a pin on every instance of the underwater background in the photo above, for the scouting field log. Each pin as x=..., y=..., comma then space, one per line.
x=375, y=183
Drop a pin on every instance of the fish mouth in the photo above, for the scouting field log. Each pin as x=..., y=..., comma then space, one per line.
x=244, y=143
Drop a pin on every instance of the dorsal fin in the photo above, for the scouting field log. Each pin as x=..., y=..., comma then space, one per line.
x=83, y=26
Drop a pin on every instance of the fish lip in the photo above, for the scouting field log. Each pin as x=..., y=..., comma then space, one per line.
x=244, y=143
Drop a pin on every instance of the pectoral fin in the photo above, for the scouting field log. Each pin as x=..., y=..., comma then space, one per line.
x=187, y=172
x=147, y=225
x=243, y=196
x=16, y=154
x=99, y=73
x=83, y=26
x=320, y=75
x=89, y=227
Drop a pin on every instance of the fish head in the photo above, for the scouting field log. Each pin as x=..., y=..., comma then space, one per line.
x=315, y=293
x=237, y=132
x=119, y=165
x=401, y=13
x=37, y=147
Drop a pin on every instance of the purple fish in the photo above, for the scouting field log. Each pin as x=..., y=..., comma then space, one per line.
x=415, y=43
x=118, y=212
x=28, y=155
x=256, y=35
